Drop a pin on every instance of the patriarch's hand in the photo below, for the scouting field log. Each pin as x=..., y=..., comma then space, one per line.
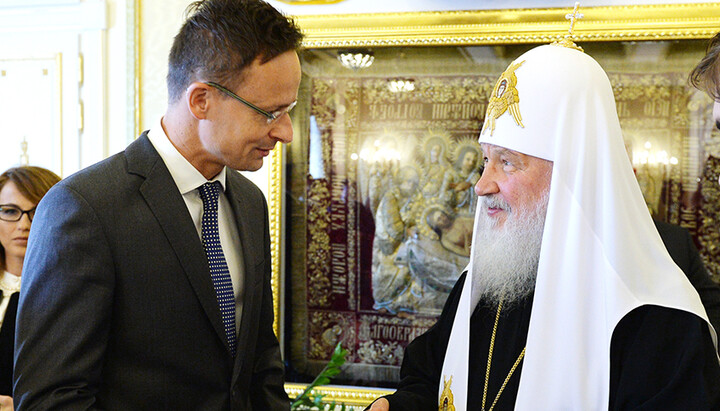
x=6, y=403
x=381, y=404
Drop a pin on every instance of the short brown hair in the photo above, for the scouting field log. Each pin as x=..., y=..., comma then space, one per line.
x=222, y=37
x=32, y=182
x=706, y=75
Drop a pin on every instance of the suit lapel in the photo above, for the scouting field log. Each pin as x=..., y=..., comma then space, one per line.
x=249, y=219
x=168, y=207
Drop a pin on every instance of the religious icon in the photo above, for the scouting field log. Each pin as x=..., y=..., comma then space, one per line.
x=504, y=98
x=395, y=216
x=423, y=222
x=459, y=181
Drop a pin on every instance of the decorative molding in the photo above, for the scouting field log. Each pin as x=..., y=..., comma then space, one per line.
x=340, y=394
x=482, y=27
x=310, y=2
x=275, y=192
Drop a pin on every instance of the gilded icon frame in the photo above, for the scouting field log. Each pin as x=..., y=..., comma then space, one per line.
x=460, y=28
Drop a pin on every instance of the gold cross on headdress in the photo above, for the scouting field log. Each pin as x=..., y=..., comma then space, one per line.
x=574, y=17
x=567, y=41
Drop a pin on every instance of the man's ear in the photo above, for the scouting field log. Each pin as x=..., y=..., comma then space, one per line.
x=198, y=98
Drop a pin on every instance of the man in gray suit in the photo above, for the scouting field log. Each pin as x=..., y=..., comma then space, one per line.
x=147, y=278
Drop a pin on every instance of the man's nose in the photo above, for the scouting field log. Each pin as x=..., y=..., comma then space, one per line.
x=282, y=130
x=486, y=184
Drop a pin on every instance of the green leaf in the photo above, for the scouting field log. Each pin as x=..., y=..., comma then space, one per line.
x=331, y=369
x=318, y=400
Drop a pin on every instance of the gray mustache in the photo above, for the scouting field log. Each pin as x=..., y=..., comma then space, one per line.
x=494, y=201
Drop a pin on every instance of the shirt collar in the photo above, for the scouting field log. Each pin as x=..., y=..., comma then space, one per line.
x=9, y=282
x=186, y=176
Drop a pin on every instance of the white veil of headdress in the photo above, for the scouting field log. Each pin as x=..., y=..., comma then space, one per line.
x=601, y=256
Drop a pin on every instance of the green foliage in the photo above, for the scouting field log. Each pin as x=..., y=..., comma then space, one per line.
x=304, y=400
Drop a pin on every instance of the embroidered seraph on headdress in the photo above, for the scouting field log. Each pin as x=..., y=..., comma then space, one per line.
x=504, y=98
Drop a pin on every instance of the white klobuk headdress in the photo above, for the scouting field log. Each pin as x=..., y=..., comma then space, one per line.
x=601, y=256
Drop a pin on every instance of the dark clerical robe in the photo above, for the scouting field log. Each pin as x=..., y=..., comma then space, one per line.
x=661, y=358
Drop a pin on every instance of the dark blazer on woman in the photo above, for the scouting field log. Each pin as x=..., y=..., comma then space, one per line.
x=7, y=337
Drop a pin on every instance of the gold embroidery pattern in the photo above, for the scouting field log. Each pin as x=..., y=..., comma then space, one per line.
x=447, y=398
x=504, y=97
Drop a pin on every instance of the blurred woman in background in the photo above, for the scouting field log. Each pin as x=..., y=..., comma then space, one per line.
x=21, y=189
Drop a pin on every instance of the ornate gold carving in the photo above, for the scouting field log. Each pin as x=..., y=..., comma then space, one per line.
x=445, y=97
x=318, y=249
x=310, y=2
x=613, y=23
x=351, y=396
x=379, y=352
x=275, y=191
x=394, y=330
x=326, y=330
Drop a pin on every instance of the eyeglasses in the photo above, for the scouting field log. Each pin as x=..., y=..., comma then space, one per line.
x=12, y=213
x=271, y=117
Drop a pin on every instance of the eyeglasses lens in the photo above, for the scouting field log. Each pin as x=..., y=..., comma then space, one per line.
x=12, y=213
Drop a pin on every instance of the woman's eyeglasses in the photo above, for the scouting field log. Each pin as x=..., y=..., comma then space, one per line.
x=12, y=213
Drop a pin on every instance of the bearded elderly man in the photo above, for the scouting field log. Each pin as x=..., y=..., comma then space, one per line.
x=570, y=300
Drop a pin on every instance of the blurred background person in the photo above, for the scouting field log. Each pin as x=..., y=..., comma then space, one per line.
x=706, y=75
x=21, y=189
x=685, y=254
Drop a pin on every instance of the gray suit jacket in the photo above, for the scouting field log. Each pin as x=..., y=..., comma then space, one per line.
x=118, y=309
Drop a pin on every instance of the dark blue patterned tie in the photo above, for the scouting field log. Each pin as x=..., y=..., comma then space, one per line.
x=209, y=192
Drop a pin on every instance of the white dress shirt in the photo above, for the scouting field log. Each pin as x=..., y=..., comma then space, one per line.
x=187, y=179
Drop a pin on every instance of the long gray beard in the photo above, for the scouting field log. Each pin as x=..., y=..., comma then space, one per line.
x=506, y=259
